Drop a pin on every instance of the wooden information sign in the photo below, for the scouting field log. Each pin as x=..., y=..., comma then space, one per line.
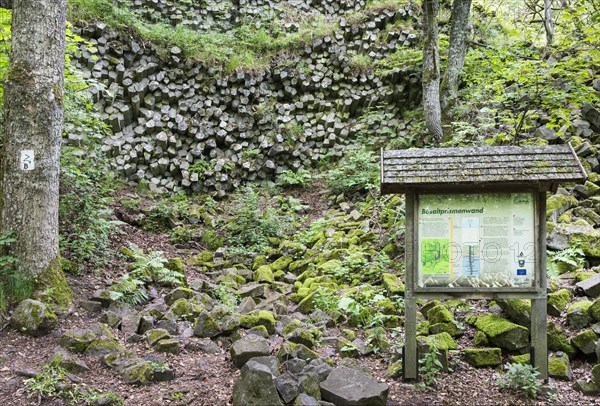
x=476, y=227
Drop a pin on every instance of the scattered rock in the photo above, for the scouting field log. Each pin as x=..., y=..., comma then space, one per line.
x=559, y=367
x=255, y=387
x=502, y=332
x=351, y=387
x=34, y=318
x=248, y=347
x=483, y=357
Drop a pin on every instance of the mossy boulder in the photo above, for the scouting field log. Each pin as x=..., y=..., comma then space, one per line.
x=155, y=335
x=289, y=350
x=518, y=310
x=502, y=332
x=596, y=374
x=394, y=371
x=329, y=267
x=307, y=305
x=103, y=346
x=264, y=273
x=581, y=233
x=557, y=341
x=184, y=309
x=441, y=341
x=77, y=339
x=178, y=293
x=259, y=318
x=522, y=359
x=483, y=357
x=170, y=345
x=206, y=326
x=392, y=284
x=586, y=341
x=139, y=373
x=577, y=315
x=559, y=367
x=34, y=318
x=594, y=310
x=450, y=328
x=557, y=204
x=480, y=339
x=558, y=300
x=439, y=314
x=281, y=264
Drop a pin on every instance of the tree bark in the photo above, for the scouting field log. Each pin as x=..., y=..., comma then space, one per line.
x=548, y=23
x=30, y=162
x=431, y=70
x=461, y=10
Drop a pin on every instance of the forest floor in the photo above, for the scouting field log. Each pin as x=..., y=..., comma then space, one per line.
x=208, y=379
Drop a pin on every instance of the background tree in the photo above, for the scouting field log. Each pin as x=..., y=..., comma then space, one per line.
x=30, y=162
x=548, y=23
x=439, y=101
x=431, y=69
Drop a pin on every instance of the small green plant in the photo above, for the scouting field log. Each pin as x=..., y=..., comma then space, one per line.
x=356, y=172
x=128, y=290
x=326, y=300
x=225, y=296
x=520, y=378
x=430, y=368
x=567, y=260
x=151, y=267
x=299, y=178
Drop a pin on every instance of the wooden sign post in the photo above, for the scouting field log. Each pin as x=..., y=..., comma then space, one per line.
x=476, y=227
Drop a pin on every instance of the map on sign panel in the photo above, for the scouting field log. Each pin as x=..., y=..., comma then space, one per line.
x=481, y=240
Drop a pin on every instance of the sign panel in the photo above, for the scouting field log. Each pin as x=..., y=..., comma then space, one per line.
x=27, y=160
x=478, y=240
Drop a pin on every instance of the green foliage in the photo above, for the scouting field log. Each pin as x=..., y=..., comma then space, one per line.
x=53, y=383
x=522, y=379
x=128, y=290
x=150, y=267
x=363, y=308
x=361, y=63
x=226, y=297
x=250, y=226
x=572, y=257
x=430, y=368
x=326, y=300
x=290, y=203
x=14, y=286
x=357, y=171
x=300, y=178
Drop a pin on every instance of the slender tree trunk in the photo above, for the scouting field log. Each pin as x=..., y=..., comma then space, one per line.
x=548, y=23
x=31, y=146
x=461, y=10
x=431, y=69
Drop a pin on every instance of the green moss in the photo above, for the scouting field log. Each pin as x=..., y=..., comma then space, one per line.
x=494, y=326
x=51, y=287
x=583, y=275
x=394, y=370
x=559, y=202
x=557, y=341
x=584, y=339
x=594, y=310
x=480, y=339
x=33, y=317
x=439, y=314
x=263, y=274
x=483, y=357
x=103, y=346
x=441, y=341
x=281, y=264
x=596, y=374
x=138, y=374
x=259, y=318
x=558, y=366
x=423, y=328
x=392, y=283
x=520, y=359
x=557, y=301
x=77, y=339
x=582, y=305
x=156, y=334
x=329, y=267
x=290, y=327
x=185, y=310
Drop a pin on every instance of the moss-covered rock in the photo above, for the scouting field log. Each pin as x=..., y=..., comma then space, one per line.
x=394, y=371
x=264, y=273
x=577, y=314
x=423, y=328
x=557, y=341
x=558, y=300
x=518, y=310
x=523, y=359
x=596, y=374
x=140, y=373
x=450, y=328
x=557, y=204
x=51, y=287
x=155, y=335
x=184, y=309
x=439, y=314
x=259, y=318
x=502, y=332
x=585, y=341
x=594, y=310
x=441, y=341
x=329, y=267
x=483, y=357
x=307, y=305
x=281, y=264
x=392, y=284
x=559, y=367
x=206, y=326
x=480, y=339
x=77, y=339
x=34, y=318
x=170, y=345
x=103, y=346
x=290, y=350
x=178, y=293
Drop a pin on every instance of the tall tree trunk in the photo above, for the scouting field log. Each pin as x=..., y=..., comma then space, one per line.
x=548, y=23
x=431, y=70
x=31, y=146
x=461, y=10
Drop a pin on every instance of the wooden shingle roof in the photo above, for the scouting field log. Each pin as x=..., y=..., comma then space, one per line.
x=436, y=168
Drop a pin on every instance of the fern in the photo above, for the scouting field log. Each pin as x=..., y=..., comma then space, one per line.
x=128, y=290
x=151, y=268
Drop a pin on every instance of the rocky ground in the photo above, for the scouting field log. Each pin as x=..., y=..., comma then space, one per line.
x=185, y=342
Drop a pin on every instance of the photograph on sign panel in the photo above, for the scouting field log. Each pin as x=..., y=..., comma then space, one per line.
x=476, y=240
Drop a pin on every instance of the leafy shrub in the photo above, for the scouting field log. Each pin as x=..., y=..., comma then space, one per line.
x=300, y=178
x=430, y=368
x=357, y=171
x=522, y=379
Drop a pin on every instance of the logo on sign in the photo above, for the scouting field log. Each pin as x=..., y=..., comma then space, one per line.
x=521, y=272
